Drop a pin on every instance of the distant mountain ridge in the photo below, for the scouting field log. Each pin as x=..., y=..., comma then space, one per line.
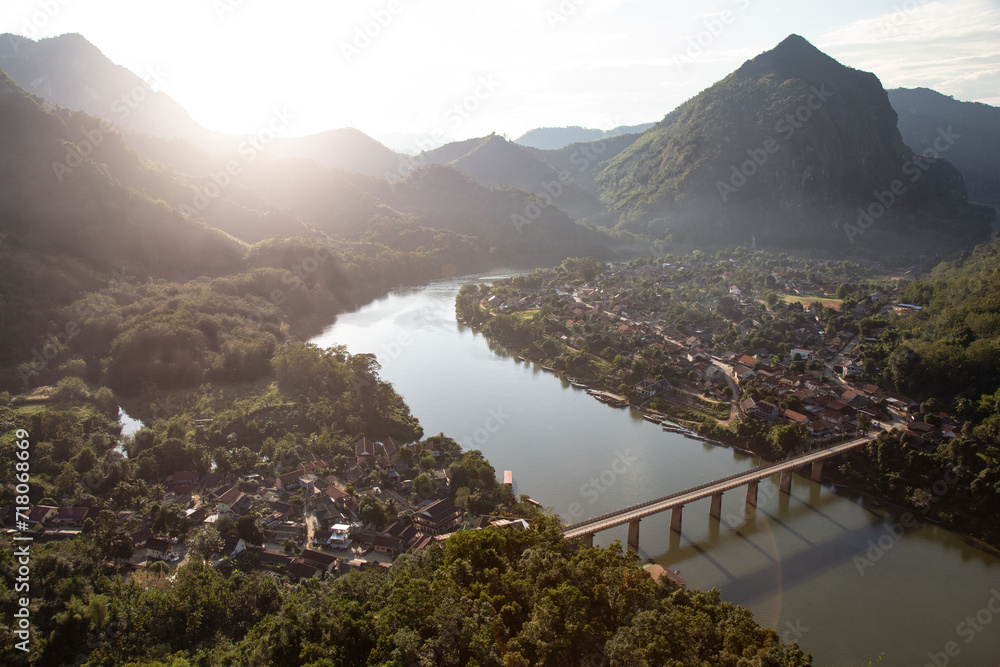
x=94, y=84
x=554, y=138
x=976, y=151
x=494, y=161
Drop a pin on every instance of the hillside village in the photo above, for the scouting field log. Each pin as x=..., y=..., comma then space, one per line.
x=306, y=522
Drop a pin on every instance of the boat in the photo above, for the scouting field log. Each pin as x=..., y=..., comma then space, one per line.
x=579, y=385
x=520, y=358
x=652, y=418
x=549, y=369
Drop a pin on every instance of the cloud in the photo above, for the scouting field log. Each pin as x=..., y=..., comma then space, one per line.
x=952, y=47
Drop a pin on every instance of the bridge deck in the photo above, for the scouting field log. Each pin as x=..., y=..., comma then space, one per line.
x=633, y=512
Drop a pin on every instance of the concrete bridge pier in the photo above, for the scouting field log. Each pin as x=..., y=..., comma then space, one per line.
x=633, y=535
x=752, y=493
x=817, y=470
x=786, y=482
x=675, y=518
x=588, y=540
x=716, y=509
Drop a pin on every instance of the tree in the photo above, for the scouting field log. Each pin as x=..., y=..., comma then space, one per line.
x=371, y=511
x=788, y=438
x=205, y=542
x=249, y=530
x=771, y=299
x=85, y=460
x=70, y=389
x=864, y=422
x=111, y=538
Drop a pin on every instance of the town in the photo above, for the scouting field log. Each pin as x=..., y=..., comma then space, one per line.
x=702, y=344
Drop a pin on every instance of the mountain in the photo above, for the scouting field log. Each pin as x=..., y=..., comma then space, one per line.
x=554, y=138
x=345, y=148
x=976, y=150
x=68, y=226
x=70, y=71
x=522, y=226
x=794, y=150
x=584, y=161
x=497, y=162
x=54, y=195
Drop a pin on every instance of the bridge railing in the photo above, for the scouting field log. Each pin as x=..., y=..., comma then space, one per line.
x=693, y=489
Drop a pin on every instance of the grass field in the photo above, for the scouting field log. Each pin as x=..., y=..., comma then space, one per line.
x=806, y=301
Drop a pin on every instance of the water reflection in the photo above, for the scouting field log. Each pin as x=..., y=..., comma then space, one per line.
x=791, y=561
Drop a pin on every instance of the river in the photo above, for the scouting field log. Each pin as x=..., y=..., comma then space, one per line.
x=847, y=581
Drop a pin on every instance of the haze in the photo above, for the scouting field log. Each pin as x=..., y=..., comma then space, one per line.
x=595, y=63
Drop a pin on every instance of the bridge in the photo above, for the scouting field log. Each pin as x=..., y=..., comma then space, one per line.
x=675, y=502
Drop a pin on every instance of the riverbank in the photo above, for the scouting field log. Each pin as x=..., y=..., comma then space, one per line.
x=707, y=428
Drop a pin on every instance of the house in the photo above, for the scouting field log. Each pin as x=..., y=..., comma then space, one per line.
x=648, y=387
x=851, y=367
x=324, y=561
x=184, y=480
x=272, y=558
x=231, y=546
x=234, y=502
x=158, y=549
x=71, y=516
x=42, y=514
x=820, y=427
x=794, y=416
x=759, y=410
x=391, y=449
x=336, y=537
x=196, y=517
x=387, y=544
x=287, y=481
x=364, y=449
x=801, y=352
x=438, y=517
x=765, y=411
x=354, y=474
x=442, y=478
x=299, y=570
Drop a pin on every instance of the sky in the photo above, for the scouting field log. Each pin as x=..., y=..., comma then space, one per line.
x=462, y=69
